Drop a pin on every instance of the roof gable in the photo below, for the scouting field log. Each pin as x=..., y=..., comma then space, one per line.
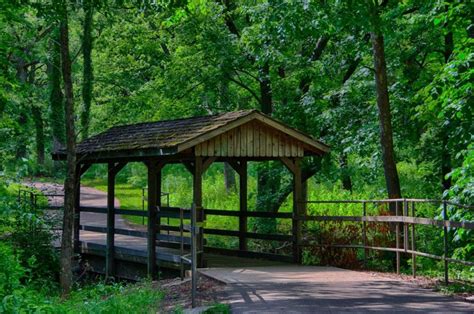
x=182, y=135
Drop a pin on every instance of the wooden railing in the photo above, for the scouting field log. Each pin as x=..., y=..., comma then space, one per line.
x=405, y=219
x=404, y=224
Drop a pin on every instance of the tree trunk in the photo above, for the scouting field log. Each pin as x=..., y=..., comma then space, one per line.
x=445, y=156
x=266, y=101
x=88, y=70
x=385, y=119
x=229, y=177
x=56, y=100
x=69, y=185
x=345, y=176
x=21, y=75
x=38, y=121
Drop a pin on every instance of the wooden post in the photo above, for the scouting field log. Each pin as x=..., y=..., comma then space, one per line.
x=243, y=205
x=364, y=232
x=413, y=242
x=80, y=170
x=445, y=231
x=405, y=226
x=241, y=169
x=109, y=255
x=77, y=211
x=397, y=236
x=152, y=218
x=197, y=200
x=298, y=208
x=297, y=211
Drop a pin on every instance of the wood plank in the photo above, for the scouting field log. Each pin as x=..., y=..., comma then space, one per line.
x=248, y=254
x=230, y=144
x=197, y=201
x=287, y=147
x=256, y=140
x=243, y=140
x=275, y=144
x=297, y=211
x=204, y=149
x=250, y=132
x=235, y=213
x=217, y=146
x=109, y=256
x=281, y=145
x=268, y=149
x=198, y=150
x=131, y=212
x=210, y=147
x=225, y=144
x=236, y=142
x=89, y=209
x=152, y=219
x=294, y=149
x=250, y=235
x=300, y=150
x=293, y=133
x=243, y=206
x=263, y=145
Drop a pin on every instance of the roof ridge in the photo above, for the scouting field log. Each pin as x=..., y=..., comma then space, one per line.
x=248, y=111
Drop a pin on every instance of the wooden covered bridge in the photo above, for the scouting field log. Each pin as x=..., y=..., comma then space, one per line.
x=233, y=137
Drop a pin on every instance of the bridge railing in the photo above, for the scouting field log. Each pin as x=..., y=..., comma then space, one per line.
x=403, y=218
x=400, y=214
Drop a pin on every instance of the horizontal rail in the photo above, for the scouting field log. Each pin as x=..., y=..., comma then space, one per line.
x=232, y=233
x=135, y=233
x=393, y=200
x=234, y=213
x=379, y=248
x=393, y=219
x=123, y=253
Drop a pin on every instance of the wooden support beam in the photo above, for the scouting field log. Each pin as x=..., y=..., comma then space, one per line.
x=189, y=166
x=113, y=169
x=80, y=170
x=197, y=200
x=290, y=164
x=297, y=211
x=207, y=163
x=152, y=218
x=77, y=210
x=243, y=206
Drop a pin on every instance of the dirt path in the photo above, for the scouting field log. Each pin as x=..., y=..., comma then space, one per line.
x=310, y=289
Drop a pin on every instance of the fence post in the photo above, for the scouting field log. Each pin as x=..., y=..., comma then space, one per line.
x=364, y=232
x=445, y=217
x=194, y=258
x=413, y=242
x=397, y=236
x=405, y=226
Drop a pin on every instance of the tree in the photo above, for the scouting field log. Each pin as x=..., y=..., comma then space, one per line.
x=88, y=75
x=69, y=184
x=383, y=103
x=56, y=100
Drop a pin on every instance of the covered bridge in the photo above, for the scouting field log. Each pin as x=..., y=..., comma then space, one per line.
x=234, y=137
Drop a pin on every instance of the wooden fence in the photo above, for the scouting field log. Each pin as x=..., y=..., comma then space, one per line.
x=404, y=224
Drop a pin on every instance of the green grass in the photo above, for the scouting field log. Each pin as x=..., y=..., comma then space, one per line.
x=116, y=298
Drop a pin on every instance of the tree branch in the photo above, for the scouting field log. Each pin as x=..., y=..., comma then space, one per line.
x=238, y=82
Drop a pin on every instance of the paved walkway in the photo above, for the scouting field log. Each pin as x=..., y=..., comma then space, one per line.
x=311, y=289
x=93, y=198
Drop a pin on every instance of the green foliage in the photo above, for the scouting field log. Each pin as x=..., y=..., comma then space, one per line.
x=115, y=298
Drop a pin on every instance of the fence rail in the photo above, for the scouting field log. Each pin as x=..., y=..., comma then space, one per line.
x=404, y=221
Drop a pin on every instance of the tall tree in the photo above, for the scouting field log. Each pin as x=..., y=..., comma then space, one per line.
x=56, y=100
x=383, y=103
x=88, y=75
x=69, y=184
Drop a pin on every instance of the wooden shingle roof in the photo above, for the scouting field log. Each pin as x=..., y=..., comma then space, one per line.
x=174, y=136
